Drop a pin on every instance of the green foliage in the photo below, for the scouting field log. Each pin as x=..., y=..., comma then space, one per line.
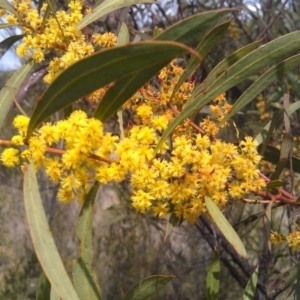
x=147, y=287
x=43, y=289
x=225, y=227
x=114, y=63
x=85, y=279
x=42, y=239
x=213, y=279
x=10, y=89
x=251, y=286
x=125, y=69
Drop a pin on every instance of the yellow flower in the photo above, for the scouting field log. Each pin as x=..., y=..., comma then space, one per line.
x=11, y=19
x=53, y=168
x=141, y=201
x=10, y=158
x=21, y=123
x=161, y=209
x=107, y=39
x=144, y=111
x=293, y=240
x=277, y=238
x=17, y=140
x=249, y=144
x=49, y=134
x=160, y=123
x=65, y=195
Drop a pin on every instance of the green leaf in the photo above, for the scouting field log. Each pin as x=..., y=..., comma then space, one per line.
x=251, y=286
x=285, y=151
x=4, y=25
x=123, y=36
x=53, y=295
x=84, y=277
x=261, y=83
x=272, y=154
x=43, y=289
x=292, y=108
x=283, y=281
x=42, y=239
x=107, y=7
x=157, y=31
x=276, y=120
x=172, y=222
x=224, y=65
x=117, y=219
x=224, y=226
x=247, y=66
x=191, y=30
x=7, y=43
x=49, y=9
x=253, y=218
x=10, y=89
x=185, y=32
x=213, y=279
x=275, y=184
x=293, y=293
x=205, y=46
x=5, y=5
x=147, y=287
x=123, y=89
x=100, y=69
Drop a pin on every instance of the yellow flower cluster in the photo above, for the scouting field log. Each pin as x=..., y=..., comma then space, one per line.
x=57, y=33
x=292, y=239
x=75, y=152
x=277, y=238
x=176, y=180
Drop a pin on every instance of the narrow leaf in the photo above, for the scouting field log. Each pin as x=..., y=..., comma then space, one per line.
x=205, y=46
x=7, y=43
x=53, y=295
x=247, y=66
x=42, y=239
x=261, y=83
x=267, y=223
x=10, y=89
x=123, y=89
x=276, y=118
x=172, y=222
x=4, y=25
x=183, y=32
x=213, y=279
x=192, y=29
x=49, y=9
x=123, y=36
x=283, y=281
x=117, y=219
x=43, y=289
x=225, y=64
x=5, y=5
x=147, y=287
x=251, y=286
x=107, y=66
x=224, y=226
x=84, y=277
x=275, y=184
x=285, y=151
x=107, y=7
x=272, y=154
x=292, y=108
